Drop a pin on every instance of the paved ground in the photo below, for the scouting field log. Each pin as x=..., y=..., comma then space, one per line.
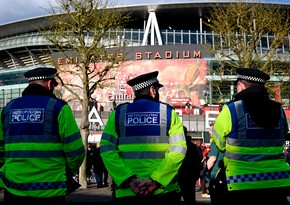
x=93, y=195
x=103, y=195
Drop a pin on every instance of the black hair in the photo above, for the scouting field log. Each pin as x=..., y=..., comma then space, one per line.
x=250, y=83
x=144, y=91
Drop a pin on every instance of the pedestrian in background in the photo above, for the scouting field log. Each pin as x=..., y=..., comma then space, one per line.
x=114, y=104
x=198, y=144
x=101, y=173
x=188, y=107
x=89, y=164
x=143, y=146
x=251, y=130
x=189, y=171
x=217, y=186
x=204, y=173
x=41, y=141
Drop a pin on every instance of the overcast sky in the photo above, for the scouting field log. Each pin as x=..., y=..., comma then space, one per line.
x=15, y=10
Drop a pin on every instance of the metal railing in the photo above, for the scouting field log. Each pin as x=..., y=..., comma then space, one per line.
x=134, y=37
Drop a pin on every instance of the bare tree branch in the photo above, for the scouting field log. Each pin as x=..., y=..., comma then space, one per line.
x=250, y=35
x=83, y=27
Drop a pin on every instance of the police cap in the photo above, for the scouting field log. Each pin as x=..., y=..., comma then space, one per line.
x=145, y=80
x=41, y=73
x=253, y=75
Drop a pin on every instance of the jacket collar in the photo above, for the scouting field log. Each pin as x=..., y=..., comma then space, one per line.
x=35, y=89
x=265, y=112
x=147, y=97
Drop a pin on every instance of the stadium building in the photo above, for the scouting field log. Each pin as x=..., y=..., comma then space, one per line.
x=169, y=37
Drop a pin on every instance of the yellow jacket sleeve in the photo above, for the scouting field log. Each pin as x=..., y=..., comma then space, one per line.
x=110, y=153
x=175, y=154
x=222, y=127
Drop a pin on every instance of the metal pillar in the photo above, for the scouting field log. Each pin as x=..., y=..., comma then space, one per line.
x=153, y=28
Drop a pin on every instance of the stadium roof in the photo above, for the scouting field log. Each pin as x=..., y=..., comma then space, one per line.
x=170, y=15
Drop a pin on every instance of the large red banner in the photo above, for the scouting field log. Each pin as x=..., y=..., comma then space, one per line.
x=183, y=80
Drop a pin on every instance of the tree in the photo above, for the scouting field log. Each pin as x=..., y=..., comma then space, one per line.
x=82, y=27
x=242, y=28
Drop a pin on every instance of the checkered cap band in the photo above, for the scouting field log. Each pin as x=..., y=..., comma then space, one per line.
x=251, y=78
x=145, y=84
x=41, y=77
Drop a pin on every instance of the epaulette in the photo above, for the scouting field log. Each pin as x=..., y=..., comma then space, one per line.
x=63, y=101
x=226, y=103
x=167, y=105
x=11, y=101
x=121, y=105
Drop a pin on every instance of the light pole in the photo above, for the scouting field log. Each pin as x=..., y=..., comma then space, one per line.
x=196, y=119
x=190, y=109
x=3, y=98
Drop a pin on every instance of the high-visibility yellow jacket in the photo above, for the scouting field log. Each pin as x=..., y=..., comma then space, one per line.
x=254, y=156
x=39, y=142
x=146, y=139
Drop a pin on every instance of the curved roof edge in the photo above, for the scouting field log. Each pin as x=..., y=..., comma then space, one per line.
x=128, y=3
x=139, y=10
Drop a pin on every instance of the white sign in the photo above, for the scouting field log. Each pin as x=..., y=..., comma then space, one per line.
x=97, y=118
x=196, y=111
x=209, y=117
x=94, y=138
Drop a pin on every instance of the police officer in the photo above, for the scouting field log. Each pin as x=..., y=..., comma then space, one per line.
x=143, y=146
x=41, y=142
x=251, y=130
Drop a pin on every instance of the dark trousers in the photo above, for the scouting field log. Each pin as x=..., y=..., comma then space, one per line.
x=101, y=178
x=203, y=185
x=23, y=200
x=217, y=193
x=171, y=198
x=188, y=191
x=272, y=196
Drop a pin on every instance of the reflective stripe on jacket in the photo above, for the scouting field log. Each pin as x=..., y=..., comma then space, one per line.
x=144, y=138
x=254, y=156
x=41, y=138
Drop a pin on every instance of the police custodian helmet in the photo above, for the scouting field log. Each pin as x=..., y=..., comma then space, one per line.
x=41, y=73
x=145, y=80
x=253, y=75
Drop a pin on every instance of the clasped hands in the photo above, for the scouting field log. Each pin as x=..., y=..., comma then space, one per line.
x=143, y=187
